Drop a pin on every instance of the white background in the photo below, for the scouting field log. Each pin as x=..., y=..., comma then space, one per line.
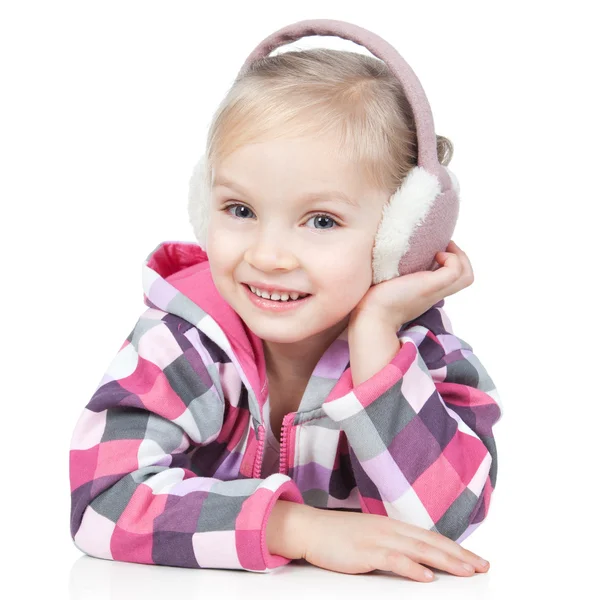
x=105, y=108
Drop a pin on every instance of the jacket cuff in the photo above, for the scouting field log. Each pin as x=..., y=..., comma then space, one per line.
x=286, y=491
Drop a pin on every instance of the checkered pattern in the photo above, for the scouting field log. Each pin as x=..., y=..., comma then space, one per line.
x=165, y=460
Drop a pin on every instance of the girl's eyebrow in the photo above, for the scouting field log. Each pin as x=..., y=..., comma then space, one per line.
x=333, y=195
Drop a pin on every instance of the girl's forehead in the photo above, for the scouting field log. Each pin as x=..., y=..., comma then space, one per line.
x=308, y=166
x=303, y=167
x=308, y=148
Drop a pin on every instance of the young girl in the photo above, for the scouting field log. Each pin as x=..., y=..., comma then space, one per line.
x=271, y=403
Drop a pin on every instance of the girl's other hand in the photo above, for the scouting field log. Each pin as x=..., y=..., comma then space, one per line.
x=349, y=542
x=401, y=299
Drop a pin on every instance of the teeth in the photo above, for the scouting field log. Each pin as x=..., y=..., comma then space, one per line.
x=281, y=296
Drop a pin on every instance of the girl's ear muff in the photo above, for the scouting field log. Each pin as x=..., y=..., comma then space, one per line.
x=419, y=220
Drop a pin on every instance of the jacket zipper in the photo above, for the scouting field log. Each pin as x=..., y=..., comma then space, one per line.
x=257, y=464
x=286, y=426
x=283, y=446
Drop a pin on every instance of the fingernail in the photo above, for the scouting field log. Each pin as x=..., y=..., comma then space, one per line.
x=483, y=563
x=468, y=567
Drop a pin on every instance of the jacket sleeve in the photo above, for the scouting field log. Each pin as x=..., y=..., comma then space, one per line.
x=419, y=431
x=135, y=494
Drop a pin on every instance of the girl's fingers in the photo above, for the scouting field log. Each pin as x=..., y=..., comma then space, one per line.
x=454, y=246
x=464, y=260
x=422, y=552
x=442, y=282
x=454, y=274
x=401, y=564
x=451, y=270
x=462, y=265
x=443, y=543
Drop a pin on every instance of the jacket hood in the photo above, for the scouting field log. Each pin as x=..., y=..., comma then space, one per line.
x=177, y=279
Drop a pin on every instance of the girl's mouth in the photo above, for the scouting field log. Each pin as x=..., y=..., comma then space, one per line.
x=275, y=305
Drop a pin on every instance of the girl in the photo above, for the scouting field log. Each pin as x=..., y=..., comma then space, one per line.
x=271, y=403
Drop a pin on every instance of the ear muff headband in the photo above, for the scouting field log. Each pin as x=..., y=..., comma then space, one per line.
x=427, y=144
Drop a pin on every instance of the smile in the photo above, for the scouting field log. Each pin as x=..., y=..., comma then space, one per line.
x=275, y=305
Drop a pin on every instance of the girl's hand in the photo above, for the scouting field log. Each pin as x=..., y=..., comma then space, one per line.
x=349, y=542
x=404, y=298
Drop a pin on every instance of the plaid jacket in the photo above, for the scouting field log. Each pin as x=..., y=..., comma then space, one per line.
x=165, y=459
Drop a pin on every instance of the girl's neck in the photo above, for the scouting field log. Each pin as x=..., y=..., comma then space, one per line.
x=297, y=361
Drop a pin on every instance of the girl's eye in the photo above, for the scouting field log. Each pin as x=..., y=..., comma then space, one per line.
x=320, y=218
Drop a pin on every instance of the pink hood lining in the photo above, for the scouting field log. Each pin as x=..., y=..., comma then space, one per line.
x=185, y=266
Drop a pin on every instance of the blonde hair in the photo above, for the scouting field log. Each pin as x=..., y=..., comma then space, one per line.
x=323, y=91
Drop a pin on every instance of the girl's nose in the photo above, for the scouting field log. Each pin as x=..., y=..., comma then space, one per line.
x=269, y=253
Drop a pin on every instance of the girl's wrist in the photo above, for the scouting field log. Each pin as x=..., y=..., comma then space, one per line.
x=373, y=343
x=364, y=320
x=287, y=528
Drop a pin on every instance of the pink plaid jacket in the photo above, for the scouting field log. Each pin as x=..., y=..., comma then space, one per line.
x=165, y=459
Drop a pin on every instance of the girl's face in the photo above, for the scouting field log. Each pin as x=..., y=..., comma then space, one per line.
x=264, y=227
